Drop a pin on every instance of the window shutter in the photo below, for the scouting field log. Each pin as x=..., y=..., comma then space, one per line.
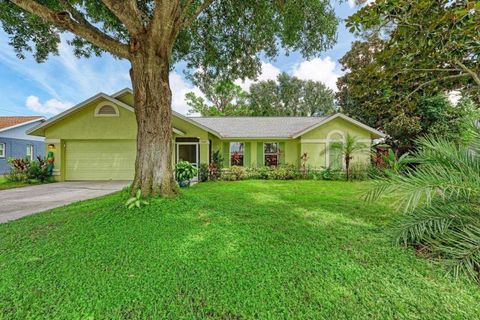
x=260, y=160
x=226, y=154
x=247, y=154
x=281, y=145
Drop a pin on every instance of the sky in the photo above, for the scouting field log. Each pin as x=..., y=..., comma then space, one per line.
x=30, y=88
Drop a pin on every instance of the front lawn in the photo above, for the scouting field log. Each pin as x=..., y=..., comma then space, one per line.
x=238, y=250
x=5, y=184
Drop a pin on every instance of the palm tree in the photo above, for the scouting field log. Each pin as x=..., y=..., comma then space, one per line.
x=440, y=201
x=347, y=149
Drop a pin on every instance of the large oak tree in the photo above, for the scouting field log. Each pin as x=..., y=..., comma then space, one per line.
x=215, y=36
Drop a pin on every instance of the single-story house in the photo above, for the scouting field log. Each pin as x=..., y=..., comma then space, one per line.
x=15, y=143
x=96, y=139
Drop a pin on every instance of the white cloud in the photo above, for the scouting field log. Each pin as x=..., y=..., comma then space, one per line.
x=180, y=88
x=353, y=3
x=318, y=69
x=52, y=106
x=268, y=72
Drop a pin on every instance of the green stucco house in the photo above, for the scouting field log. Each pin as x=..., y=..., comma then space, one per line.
x=95, y=140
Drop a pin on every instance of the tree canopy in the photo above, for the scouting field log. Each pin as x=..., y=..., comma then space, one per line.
x=216, y=37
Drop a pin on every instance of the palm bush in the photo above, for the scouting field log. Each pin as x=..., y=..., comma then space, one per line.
x=440, y=200
x=348, y=149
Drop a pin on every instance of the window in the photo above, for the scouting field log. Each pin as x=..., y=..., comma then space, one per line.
x=30, y=152
x=106, y=110
x=236, y=153
x=271, y=153
x=2, y=150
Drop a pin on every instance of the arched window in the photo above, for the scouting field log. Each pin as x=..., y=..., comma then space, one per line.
x=334, y=156
x=106, y=110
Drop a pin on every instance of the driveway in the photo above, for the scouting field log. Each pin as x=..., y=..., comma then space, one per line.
x=20, y=202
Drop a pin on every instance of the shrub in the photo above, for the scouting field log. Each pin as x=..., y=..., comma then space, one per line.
x=234, y=173
x=203, y=172
x=283, y=172
x=28, y=171
x=359, y=171
x=184, y=172
x=330, y=174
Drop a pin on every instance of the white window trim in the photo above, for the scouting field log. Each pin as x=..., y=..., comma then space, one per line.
x=230, y=153
x=278, y=151
x=4, y=150
x=103, y=104
x=30, y=148
x=327, y=146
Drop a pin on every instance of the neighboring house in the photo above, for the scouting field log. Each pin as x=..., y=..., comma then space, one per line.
x=15, y=143
x=95, y=140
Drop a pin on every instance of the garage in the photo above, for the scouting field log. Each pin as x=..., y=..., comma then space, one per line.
x=100, y=159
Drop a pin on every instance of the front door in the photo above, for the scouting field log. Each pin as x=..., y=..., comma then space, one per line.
x=187, y=151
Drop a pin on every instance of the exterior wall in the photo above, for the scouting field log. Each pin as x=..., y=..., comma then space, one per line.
x=17, y=148
x=84, y=125
x=316, y=142
x=19, y=132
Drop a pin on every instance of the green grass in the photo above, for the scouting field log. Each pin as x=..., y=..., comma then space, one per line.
x=5, y=184
x=239, y=250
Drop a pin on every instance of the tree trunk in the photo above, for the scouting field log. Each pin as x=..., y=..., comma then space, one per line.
x=153, y=166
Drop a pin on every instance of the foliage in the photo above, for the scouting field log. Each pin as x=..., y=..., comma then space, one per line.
x=330, y=174
x=203, y=172
x=396, y=164
x=222, y=98
x=24, y=170
x=297, y=239
x=439, y=200
x=185, y=171
x=434, y=43
x=219, y=39
x=359, y=171
x=435, y=52
x=215, y=167
x=290, y=96
x=136, y=201
x=348, y=148
x=234, y=173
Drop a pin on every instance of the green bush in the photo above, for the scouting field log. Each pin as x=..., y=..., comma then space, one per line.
x=359, y=171
x=284, y=172
x=234, y=173
x=203, y=172
x=28, y=171
x=185, y=171
x=330, y=174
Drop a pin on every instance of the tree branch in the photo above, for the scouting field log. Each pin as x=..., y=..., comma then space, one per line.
x=127, y=12
x=472, y=73
x=433, y=81
x=79, y=26
x=188, y=20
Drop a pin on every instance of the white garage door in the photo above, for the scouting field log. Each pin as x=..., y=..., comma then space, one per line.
x=100, y=160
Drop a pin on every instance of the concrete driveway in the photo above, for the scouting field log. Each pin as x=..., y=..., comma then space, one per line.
x=20, y=202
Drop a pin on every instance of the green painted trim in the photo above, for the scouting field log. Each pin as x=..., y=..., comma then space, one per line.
x=281, y=145
x=260, y=158
x=226, y=154
x=247, y=161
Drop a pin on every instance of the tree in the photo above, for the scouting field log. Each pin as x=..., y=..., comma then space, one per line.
x=439, y=201
x=218, y=37
x=347, y=149
x=223, y=98
x=434, y=43
x=290, y=96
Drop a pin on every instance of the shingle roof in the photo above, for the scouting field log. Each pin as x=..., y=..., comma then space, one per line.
x=6, y=122
x=254, y=127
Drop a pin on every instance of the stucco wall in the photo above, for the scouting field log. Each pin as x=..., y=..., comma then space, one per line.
x=17, y=148
x=20, y=132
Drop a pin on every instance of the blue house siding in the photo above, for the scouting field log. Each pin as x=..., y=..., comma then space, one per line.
x=17, y=148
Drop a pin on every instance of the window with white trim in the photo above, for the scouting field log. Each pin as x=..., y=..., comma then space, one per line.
x=236, y=153
x=30, y=152
x=3, y=150
x=271, y=153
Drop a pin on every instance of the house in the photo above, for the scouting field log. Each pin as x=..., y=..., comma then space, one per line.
x=95, y=140
x=15, y=143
